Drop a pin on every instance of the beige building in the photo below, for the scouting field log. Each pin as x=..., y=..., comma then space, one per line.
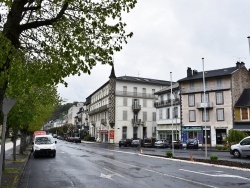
x=223, y=87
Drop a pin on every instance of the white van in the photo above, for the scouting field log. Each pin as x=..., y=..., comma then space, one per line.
x=44, y=145
x=242, y=148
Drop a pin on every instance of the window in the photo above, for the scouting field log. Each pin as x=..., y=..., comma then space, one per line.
x=191, y=86
x=153, y=91
x=192, y=115
x=144, y=118
x=191, y=100
x=168, y=113
x=244, y=113
x=135, y=130
x=160, y=113
x=144, y=103
x=161, y=98
x=220, y=114
x=203, y=115
x=154, y=116
x=124, y=90
x=219, y=82
x=135, y=91
x=125, y=101
x=124, y=132
x=206, y=98
x=175, y=112
x=143, y=92
x=125, y=115
x=219, y=97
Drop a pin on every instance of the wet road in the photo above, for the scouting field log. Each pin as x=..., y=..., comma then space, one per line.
x=96, y=165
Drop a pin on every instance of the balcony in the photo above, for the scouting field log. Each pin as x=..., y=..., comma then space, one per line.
x=136, y=107
x=203, y=105
x=104, y=121
x=167, y=103
x=209, y=87
x=99, y=110
x=93, y=123
x=135, y=94
x=136, y=122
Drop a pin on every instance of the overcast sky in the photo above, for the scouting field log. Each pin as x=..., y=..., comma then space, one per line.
x=171, y=35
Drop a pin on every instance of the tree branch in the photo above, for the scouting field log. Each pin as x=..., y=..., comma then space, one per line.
x=47, y=22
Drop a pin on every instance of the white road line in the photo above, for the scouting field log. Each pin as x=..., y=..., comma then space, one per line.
x=216, y=175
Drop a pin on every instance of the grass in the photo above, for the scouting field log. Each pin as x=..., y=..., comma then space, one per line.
x=11, y=170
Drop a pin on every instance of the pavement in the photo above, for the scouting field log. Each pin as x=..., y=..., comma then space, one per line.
x=14, y=170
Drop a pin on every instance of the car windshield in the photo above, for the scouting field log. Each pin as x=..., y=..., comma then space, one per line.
x=43, y=140
x=191, y=140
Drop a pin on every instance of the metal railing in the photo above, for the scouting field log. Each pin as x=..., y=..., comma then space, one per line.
x=209, y=87
x=167, y=103
x=98, y=110
x=135, y=94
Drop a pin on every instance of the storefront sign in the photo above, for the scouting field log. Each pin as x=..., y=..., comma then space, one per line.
x=111, y=134
x=104, y=131
x=193, y=128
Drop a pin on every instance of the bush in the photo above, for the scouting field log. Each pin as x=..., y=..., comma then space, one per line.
x=169, y=154
x=235, y=136
x=222, y=147
x=214, y=158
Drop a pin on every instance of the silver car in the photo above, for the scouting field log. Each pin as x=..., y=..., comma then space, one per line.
x=161, y=144
x=242, y=148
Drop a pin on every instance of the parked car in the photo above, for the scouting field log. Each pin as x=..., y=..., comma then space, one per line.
x=161, y=144
x=70, y=139
x=77, y=139
x=148, y=142
x=125, y=142
x=177, y=144
x=242, y=148
x=135, y=142
x=192, y=143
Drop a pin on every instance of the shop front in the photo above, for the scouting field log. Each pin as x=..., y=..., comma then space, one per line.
x=165, y=132
x=104, y=137
x=192, y=132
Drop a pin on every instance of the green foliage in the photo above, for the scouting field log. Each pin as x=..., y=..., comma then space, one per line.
x=169, y=154
x=235, y=136
x=222, y=147
x=214, y=158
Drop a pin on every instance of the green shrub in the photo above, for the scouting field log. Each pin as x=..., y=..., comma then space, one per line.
x=214, y=158
x=169, y=154
x=235, y=136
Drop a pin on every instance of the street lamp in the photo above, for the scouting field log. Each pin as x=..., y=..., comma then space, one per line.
x=172, y=115
x=204, y=105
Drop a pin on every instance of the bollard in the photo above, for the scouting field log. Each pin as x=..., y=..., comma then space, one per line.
x=191, y=157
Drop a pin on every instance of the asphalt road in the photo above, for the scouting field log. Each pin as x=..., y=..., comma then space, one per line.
x=98, y=165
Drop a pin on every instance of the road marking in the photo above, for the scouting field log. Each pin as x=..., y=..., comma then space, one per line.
x=109, y=176
x=216, y=175
x=114, y=173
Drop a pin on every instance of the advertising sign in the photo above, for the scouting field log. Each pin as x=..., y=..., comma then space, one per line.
x=111, y=134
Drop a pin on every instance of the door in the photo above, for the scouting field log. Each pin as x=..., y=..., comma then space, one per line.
x=245, y=146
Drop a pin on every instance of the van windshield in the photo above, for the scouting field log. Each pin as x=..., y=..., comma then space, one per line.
x=43, y=140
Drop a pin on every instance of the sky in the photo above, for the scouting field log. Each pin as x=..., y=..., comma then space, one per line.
x=170, y=36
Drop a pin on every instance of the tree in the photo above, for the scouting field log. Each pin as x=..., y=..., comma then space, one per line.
x=57, y=38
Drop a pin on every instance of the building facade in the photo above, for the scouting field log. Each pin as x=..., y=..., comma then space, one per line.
x=210, y=119
x=168, y=113
x=124, y=108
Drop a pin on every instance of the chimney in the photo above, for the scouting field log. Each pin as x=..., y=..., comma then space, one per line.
x=242, y=64
x=189, y=72
x=195, y=72
x=238, y=64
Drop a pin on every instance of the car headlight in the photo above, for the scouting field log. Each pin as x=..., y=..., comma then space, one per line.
x=53, y=147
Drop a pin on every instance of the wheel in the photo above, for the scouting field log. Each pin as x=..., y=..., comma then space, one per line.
x=236, y=154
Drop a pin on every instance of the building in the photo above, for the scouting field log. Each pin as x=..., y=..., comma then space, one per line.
x=242, y=111
x=123, y=107
x=72, y=112
x=168, y=113
x=214, y=116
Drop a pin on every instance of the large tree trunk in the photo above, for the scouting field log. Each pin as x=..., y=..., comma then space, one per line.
x=23, y=142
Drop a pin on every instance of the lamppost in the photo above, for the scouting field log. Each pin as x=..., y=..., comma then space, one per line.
x=172, y=115
x=204, y=105
x=79, y=133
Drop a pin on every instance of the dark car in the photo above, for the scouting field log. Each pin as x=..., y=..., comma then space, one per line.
x=148, y=142
x=177, y=144
x=192, y=143
x=125, y=142
x=136, y=142
x=76, y=139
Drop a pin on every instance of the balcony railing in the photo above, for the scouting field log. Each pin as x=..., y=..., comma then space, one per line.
x=104, y=121
x=209, y=87
x=98, y=110
x=136, y=122
x=93, y=123
x=203, y=105
x=167, y=103
x=136, y=107
x=135, y=94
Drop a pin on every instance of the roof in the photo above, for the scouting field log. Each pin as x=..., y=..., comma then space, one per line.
x=211, y=73
x=144, y=80
x=168, y=89
x=244, y=99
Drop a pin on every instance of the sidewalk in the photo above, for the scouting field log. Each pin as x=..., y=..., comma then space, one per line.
x=14, y=169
